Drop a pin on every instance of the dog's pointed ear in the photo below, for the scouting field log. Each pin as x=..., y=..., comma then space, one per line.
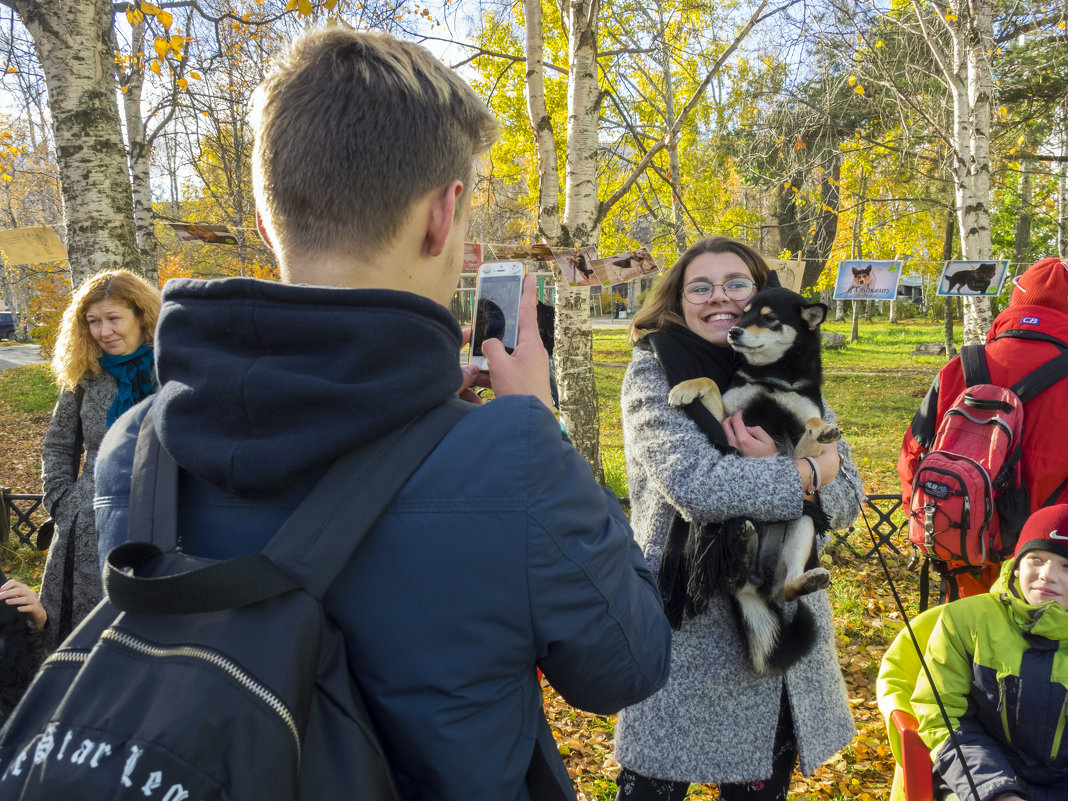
x=814, y=314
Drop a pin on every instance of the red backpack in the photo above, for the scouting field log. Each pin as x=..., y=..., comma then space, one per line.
x=968, y=501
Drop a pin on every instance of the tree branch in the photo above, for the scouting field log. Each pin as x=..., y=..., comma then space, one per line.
x=607, y=204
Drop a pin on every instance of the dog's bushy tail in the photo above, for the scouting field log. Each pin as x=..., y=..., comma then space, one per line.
x=774, y=644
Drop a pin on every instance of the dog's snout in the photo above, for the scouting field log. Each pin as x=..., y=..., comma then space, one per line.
x=734, y=334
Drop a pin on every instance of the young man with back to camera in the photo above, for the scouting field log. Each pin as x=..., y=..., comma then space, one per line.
x=1031, y=331
x=501, y=554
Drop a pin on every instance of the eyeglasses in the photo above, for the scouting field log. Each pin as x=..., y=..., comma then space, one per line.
x=733, y=288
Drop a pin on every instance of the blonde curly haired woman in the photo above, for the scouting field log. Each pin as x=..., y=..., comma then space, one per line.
x=103, y=365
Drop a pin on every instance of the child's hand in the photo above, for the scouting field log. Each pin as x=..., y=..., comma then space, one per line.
x=15, y=593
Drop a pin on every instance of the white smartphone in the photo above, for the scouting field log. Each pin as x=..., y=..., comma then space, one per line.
x=499, y=288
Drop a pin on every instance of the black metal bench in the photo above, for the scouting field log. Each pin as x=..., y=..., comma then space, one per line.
x=885, y=516
x=21, y=515
x=883, y=512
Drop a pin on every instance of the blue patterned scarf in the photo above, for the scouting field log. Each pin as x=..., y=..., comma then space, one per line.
x=133, y=372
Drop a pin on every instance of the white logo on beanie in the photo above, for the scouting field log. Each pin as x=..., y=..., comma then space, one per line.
x=1053, y=535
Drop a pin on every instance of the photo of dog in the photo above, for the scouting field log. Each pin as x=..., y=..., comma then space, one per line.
x=779, y=389
x=576, y=266
x=862, y=279
x=630, y=265
x=976, y=279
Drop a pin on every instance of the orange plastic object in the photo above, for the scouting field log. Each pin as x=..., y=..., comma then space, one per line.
x=915, y=759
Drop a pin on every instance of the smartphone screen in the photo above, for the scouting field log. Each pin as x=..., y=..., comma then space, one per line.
x=497, y=311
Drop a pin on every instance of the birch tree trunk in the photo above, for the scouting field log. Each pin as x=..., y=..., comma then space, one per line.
x=672, y=137
x=583, y=212
x=947, y=254
x=1021, y=240
x=1062, y=186
x=969, y=75
x=573, y=351
x=542, y=125
x=73, y=40
x=578, y=391
x=139, y=151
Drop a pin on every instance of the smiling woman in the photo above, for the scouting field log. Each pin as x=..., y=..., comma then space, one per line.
x=103, y=365
x=695, y=481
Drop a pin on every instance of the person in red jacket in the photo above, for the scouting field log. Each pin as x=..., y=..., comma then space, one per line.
x=1031, y=331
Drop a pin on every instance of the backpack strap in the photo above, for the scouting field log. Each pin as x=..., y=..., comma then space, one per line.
x=309, y=550
x=1026, y=333
x=973, y=363
x=1053, y=496
x=1042, y=377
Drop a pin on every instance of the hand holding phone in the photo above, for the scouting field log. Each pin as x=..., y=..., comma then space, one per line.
x=524, y=370
x=497, y=296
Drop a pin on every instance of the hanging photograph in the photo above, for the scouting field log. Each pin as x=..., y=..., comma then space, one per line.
x=472, y=256
x=970, y=278
x=789, y=272
x=624, y=266
x=575, y=266
x=32, y=245
x=867, y=279
x=204, y=232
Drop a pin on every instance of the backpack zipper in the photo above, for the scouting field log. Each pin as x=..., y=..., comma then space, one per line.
x=213, y=658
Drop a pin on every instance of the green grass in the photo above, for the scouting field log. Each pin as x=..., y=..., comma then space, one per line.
x=881, y=345
x=610, y=345
x=29, y=389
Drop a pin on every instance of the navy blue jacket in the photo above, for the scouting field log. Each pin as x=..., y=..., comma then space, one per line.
x=501, y=554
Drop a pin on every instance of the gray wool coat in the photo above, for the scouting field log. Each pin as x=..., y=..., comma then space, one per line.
x=70, y=501
x=715, y=719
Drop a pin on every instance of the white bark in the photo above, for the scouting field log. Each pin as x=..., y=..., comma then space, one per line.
x=73, y=40
x=1062, y=186
x=969, y=75
x=583, y=108
x=542, y=125
x=139, y=150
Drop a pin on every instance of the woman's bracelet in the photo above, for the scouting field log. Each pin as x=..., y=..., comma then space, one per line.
x=811, y=489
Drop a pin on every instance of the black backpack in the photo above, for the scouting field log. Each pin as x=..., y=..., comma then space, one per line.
x=198, y=679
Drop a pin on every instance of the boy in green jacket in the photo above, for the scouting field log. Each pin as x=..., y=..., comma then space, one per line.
x=1000, y=665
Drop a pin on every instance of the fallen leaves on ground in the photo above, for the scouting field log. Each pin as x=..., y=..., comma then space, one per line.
x=863, y=771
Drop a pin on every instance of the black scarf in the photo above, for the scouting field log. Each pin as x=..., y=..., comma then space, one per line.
x=700, y=559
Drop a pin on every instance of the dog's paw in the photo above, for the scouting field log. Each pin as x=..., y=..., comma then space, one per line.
x=818, y=578
x=828, y=433
x=687, y=392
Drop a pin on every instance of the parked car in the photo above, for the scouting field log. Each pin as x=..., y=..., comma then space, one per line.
x=7, y=325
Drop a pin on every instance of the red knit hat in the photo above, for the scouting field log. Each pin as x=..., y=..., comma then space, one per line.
x=1045, y=530
x=1043, y=284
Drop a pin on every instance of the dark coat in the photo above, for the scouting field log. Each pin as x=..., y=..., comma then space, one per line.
x=69, y=498
x=499, y=556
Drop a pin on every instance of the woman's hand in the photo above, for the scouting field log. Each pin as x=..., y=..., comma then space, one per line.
x=15, y=593
x=828, y=461
x=748, y=440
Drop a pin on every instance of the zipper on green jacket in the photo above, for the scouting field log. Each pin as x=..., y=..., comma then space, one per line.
x=1060, y=729
x=1002, y=708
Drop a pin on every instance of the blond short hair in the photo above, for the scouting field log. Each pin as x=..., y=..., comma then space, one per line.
x=350, y=129
x=77, y=354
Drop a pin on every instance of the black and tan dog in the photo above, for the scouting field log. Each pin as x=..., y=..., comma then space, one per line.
x=976, y=280
x=778, y=389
